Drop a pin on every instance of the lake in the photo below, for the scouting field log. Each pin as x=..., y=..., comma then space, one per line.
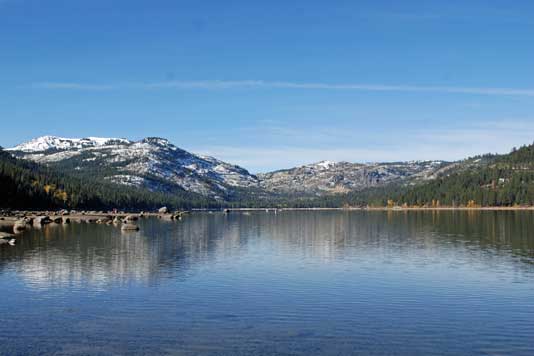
x=290, y=283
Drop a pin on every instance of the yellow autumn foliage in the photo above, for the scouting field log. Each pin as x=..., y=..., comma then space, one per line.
x=61, y=195
x=48, y=188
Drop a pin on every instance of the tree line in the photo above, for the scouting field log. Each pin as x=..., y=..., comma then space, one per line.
x=503, y=180
x=28, y=185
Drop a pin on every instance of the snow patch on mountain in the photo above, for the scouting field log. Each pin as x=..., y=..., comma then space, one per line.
x=327, y=177
x=126, y=179
x=152, y=162
x=46, y=143
x=324, y=164
x=158, y=165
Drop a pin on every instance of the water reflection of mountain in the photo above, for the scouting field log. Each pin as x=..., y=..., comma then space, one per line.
x=100, y=256
x=330, y=234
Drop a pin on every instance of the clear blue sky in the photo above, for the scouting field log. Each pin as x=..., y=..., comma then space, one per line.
x=273, y=84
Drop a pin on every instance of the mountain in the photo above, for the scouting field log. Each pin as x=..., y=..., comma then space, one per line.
x=152, y=163
x=503, y=180
x=157, y=165
x=328, y=177
x=110, y=171
x=484, y=181
x=53, y=143
x=29, y=185
x=490, y=180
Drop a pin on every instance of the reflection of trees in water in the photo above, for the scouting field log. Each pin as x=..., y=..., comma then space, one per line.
x=509, y=230
x=333, y=234
x=100, y=255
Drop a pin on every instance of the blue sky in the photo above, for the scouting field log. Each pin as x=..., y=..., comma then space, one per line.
x=273, y=84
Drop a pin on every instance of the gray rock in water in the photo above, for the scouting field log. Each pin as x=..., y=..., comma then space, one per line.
x=6, y=235
x=163, y=210
x=6, y=241
x=20, y=225
x=129, y=227
x=131, y=218
x=41, y=220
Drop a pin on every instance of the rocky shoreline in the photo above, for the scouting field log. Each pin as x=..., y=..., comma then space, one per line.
x=13, y=223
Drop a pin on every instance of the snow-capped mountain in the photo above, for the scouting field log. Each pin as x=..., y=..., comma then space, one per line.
x=158, y=165
x=46, y=143
x=341, y=177
x=153, y=163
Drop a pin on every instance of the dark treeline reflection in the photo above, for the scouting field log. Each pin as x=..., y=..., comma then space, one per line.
x=101, y=255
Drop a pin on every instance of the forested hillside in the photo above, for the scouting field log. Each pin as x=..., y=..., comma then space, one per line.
x=504, y=180
x=490, y=180
x=27, y=185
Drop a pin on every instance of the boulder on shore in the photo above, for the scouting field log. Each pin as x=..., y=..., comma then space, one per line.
x=163, y=210
x=131, y=218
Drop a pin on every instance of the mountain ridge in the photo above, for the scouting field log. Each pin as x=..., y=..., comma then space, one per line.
x=153, y=163
x=156, y=164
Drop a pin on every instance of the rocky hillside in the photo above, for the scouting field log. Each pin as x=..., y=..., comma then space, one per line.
x=157, y=165
x=152, y=163
x=341, y=177
x=114, y=172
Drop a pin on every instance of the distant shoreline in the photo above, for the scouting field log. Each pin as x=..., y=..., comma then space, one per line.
x=17, y=220
x=496, y=208
x=151, y=213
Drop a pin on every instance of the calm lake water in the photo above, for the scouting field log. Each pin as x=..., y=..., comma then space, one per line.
x=292, y=283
